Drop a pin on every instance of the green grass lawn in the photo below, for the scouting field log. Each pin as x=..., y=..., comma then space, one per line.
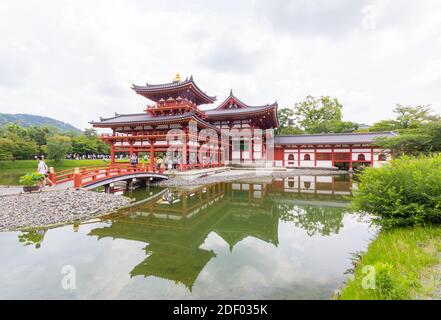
x=406, y=264
x=11, y=171
x=32, y=164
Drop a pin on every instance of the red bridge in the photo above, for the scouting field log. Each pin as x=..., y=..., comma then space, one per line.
x=92, y=177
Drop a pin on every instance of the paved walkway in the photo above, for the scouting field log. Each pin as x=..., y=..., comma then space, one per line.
x=4, y=191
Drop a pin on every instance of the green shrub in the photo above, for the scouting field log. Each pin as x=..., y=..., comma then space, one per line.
x=406, y=192
x=388, y=284
x=31, y=178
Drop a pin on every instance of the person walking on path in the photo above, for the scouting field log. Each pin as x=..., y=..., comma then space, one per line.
x=42, y=169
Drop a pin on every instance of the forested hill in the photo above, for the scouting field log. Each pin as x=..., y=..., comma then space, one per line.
x=27, y=120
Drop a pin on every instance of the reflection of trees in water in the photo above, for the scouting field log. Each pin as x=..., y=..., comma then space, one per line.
x=33, y=237
x=314, y=220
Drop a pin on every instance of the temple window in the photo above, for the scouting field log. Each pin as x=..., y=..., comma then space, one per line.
x=291, y=157
x=307, y=157
x=382, y=157
x=361, y=157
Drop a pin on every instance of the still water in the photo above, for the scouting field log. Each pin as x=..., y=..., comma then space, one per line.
x=289, y=238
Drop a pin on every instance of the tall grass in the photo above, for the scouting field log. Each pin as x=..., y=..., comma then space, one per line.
x=405, y=262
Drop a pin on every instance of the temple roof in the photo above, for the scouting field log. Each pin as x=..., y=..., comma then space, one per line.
x=182, y=266
x=215, y=113
x=234, y=109
x=147, y=119
x=233, y=103
x=184, y=89
x=332, y=138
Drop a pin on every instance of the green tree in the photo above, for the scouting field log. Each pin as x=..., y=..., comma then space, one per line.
x=6, y=149
x=385, y=125
x=406, y=143
x=322, y=115
x=83, y=145
x=287, y=122
x=90, y=133
x=58, y=146
x=413, y=117
x=25, y=149
x=406, y=117
x=39, y=134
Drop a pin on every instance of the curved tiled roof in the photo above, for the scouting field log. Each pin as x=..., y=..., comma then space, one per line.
x=155, y=91
x=237, y=111
x=240, y=104
x=331, y=138
x=147, y=119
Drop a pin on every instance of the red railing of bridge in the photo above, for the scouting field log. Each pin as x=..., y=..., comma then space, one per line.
x=87, y=175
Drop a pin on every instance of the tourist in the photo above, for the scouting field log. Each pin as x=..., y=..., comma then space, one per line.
x=169, y=164
x=42, y=169
x=159, y=163
x=133, y=160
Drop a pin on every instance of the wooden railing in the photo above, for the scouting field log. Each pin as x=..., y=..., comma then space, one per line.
x=87, y=175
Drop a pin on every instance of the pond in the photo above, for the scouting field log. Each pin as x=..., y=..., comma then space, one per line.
x=265, y=238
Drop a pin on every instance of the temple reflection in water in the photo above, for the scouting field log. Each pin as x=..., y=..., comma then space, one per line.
x=176, y=222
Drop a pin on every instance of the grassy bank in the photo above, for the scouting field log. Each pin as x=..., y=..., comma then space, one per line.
x=32, y=164
x=405, y=261
x=11, y=171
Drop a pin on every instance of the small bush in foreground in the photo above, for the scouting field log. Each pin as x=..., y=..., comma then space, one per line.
x=406, y=192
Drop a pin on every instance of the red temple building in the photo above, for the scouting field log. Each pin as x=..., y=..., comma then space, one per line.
x=231, y=133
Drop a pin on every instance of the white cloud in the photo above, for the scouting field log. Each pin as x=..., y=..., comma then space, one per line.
x=75, y=60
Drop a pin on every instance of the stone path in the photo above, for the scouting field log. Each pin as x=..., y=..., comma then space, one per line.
x=10, y=190
x=55, y=207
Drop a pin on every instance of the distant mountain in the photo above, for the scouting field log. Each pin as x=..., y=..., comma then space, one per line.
x=27, y=120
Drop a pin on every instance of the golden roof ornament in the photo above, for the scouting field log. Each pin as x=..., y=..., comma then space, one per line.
x=177, y=78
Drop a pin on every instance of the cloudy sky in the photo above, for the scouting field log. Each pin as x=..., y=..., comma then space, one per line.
x=76, y=60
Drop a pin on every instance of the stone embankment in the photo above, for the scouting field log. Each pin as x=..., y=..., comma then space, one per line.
x=45, y=208
x=233, y=175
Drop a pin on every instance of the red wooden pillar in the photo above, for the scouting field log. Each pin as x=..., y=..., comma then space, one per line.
x=51, y=177
x=332, y=156
x=152, y=154
x=283, y=155
x=131, y=148
x=112, y=148
x=372, y=157
x=350, y=157
x=184, y=153
x=252, y=147
x=315, y=156
x=112, y=153
x=298, y=156
x=77, y=178
x=230, y=150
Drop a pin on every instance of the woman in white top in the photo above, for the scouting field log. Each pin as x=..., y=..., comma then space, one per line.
x=42, y=169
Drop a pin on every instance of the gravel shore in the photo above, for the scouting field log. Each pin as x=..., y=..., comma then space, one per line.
x=233, y=175
x=55, y=207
